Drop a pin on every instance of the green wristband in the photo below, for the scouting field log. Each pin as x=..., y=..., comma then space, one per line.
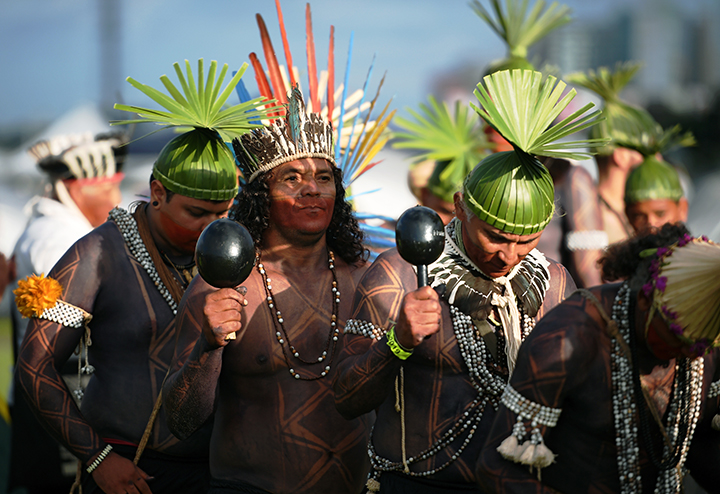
x=395, y=346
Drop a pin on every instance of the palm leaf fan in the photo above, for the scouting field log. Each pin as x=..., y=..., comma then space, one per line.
x=522, y=108
x=624, y=123
x=520, y=27
x=454, y=140
x=200, y=104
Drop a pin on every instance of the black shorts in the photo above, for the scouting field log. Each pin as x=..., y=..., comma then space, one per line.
x=218, y=486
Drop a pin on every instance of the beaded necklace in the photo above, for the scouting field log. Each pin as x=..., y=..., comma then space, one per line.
x=683, y=410
x=129, y=230
x=282, y=335
x=489, y=387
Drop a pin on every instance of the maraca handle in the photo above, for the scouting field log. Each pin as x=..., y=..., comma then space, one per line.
x=422, y=275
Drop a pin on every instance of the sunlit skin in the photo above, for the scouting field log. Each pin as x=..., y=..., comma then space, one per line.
x=654, y=213
x=501, y=144
x=493, y=251
x=96, y=197
x=444, y=209
x=302, y=197
x=178, y=222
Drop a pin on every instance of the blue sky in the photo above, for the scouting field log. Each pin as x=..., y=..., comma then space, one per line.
x=49, y=50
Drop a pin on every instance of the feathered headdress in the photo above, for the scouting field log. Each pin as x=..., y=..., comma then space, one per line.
x=512, y=190
x=455, y=141
x=81, y=156
x=198, y=163
x=357, y=136
x=654, y=178
x=520, y=28
x=624, y=123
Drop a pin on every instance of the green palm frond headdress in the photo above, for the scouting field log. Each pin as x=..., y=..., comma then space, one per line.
x=198, y=163
x=654, y=178
x=512, y=190
x=624, y=123
x=520, y=27
x=455, y=141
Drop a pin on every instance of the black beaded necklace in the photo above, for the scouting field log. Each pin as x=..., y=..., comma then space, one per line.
x=282, y=335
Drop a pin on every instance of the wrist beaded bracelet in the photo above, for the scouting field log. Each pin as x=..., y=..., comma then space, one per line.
x=395, y=346
x=103, y=454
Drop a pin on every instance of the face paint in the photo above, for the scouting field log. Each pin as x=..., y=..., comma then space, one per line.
x=183, y=239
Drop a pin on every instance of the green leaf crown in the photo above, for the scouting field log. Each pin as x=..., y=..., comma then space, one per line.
x=512, y=190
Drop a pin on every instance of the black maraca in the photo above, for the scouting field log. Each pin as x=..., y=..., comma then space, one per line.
x=225, y=255
x=420, y=239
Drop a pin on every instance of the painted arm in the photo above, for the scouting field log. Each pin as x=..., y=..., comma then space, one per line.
x=366, y=366
x=46, y=348
x=584, y=236
x=205, y=317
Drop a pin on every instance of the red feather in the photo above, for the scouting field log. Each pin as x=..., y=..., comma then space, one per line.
x=331, y=76
x=312, y=66
x=271, y=60
x=261, y=80
x=286, y=46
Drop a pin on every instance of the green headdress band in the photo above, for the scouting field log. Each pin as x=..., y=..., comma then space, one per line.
x=198, y=163
x=455, y=142
x=654, y=178
x=520, y=28
x=513, y=191
x=624, y=123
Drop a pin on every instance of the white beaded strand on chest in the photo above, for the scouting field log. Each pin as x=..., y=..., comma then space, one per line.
x=625, y=411
x=129, y=230
x=488, y=385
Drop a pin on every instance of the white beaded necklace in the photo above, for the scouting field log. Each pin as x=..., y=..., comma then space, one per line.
x=625, y=410
x=489, y=387
x=129, y=230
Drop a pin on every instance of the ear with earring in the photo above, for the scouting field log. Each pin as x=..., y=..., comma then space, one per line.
x=155, y=203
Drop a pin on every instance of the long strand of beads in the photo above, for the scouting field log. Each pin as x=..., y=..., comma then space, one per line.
x=623, y=401
x=282, y=336
x=129, y=230
x=488, y=385
x=683, y=410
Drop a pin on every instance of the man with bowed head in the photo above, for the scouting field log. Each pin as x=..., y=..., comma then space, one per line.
x=115, y=293
x=617, y=389
x=432, y=361
x=275, y=424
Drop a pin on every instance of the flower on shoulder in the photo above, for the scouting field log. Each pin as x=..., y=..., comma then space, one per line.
x=35, y=294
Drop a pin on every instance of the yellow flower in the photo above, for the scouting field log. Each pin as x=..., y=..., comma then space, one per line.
x=35, y=294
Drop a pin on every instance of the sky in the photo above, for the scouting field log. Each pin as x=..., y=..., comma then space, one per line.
x=49, y=50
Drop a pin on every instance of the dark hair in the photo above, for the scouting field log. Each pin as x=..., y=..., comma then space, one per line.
x=344, y=237
x=622, y=260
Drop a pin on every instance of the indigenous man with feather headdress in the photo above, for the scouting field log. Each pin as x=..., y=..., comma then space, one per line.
x=115, y=294
x=269, y=389
x=432, y=361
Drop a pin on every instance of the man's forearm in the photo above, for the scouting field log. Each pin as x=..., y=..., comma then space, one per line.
x=364, y=380
x=190, y=392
